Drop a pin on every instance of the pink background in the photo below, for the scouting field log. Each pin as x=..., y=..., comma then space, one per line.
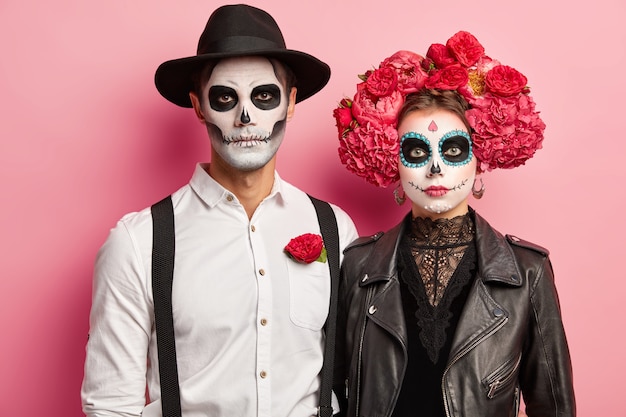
x=85, y=138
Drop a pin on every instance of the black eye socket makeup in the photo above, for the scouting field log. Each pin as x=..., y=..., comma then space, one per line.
x=455, y=148
x=266, y=97
x=415, y=150
x=222, y=98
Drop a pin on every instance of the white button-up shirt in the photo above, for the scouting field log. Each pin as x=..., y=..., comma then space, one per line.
x=248, y=319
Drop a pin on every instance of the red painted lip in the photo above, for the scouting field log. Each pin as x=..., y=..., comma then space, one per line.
x=436, y=191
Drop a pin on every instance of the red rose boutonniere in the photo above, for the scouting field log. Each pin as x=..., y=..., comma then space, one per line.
x=306, y=248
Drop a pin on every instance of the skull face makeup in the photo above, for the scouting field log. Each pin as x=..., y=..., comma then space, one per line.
x=245, y=108
x=437, y=167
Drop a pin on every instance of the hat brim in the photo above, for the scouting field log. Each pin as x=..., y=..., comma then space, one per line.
x=173, y=79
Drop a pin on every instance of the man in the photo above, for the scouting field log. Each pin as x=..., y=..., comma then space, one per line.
x=248, y=319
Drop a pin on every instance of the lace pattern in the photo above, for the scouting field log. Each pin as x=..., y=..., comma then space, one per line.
x=438, y=247
x=439, y=259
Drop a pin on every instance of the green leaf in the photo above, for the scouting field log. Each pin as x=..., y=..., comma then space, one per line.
x=322, y=257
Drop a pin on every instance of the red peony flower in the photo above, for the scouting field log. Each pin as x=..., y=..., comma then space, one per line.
x=466, y=48
x=448, y=78
x=505, y=81
x=382, y=82
x=440, y=55
x=306, y=248
x=343, y=115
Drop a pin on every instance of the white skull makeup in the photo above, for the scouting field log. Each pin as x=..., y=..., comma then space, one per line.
x=437, y=167
x=245, y=108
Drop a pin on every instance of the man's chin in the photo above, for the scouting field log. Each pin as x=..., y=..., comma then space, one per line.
x=248, y=164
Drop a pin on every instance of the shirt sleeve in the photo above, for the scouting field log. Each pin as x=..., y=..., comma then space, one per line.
x=114, y=383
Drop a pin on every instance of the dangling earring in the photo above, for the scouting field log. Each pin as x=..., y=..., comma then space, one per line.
x=478, y=194
x=400, y=199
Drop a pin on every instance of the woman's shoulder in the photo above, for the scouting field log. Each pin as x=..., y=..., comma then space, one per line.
x=363, y=241
x=486, y=230
x=525, y=244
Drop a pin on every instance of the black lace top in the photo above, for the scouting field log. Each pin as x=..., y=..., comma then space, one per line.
x=436, y=267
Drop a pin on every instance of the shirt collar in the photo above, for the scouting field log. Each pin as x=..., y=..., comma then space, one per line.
x=212, y=192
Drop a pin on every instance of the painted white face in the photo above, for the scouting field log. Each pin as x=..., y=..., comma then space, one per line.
x=245, y=108
x=437, y=166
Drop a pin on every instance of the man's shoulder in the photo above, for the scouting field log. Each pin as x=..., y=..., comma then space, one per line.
x=140, y=221
x=345, y=224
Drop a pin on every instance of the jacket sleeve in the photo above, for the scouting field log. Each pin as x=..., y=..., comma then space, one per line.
x=341, y=368
x=546, y=374
x=114, y=383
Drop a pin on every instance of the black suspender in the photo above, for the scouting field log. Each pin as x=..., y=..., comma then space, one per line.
x=330, y=235
x=163, y=248
x=163, y=241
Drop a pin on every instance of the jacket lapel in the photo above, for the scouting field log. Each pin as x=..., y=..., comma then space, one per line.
x=385, y=309
x=483, y=315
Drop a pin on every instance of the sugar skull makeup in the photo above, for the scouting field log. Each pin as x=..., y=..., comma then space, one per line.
x=245, y=107
x=455, y=148
x=437, y=166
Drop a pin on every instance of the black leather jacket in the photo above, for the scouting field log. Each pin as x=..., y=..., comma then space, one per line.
x=509, y=337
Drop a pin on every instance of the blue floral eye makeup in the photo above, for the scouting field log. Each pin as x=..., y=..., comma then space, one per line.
x=415, y=150
x=455, y=148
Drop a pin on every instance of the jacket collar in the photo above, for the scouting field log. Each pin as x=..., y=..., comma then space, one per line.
x=495, y=256
x=385, y=248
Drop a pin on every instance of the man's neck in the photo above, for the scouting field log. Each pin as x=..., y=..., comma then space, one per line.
x=250, y=187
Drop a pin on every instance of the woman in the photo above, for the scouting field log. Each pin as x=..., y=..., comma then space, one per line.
x=443, y=315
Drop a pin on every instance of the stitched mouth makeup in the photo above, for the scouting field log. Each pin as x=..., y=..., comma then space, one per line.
x=437, y=190
x=247, y=141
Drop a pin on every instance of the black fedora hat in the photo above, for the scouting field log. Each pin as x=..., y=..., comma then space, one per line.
x=239, y=30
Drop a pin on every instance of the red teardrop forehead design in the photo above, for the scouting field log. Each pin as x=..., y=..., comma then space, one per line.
x=433, y=126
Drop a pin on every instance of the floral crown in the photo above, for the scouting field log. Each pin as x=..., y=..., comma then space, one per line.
x=506, y=129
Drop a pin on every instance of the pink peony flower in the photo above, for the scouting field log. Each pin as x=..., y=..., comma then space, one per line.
x=371, y=152
x=368, y=108
x=507, y=130
x=411, y=76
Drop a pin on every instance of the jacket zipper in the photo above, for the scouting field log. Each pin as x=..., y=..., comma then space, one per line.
x=368, y=299
x=493, y=386
x=461, y=354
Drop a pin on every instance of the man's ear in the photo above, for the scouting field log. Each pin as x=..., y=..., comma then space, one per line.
x=292, y=103
x=195, y=102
